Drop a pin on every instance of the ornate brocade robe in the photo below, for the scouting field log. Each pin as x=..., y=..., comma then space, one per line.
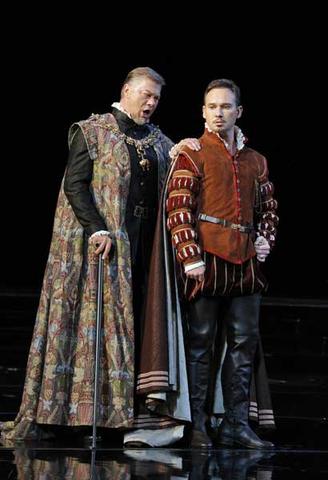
x=59, y=383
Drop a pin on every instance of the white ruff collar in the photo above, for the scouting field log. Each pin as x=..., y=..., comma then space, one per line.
x=121, y=109
x=239, y=136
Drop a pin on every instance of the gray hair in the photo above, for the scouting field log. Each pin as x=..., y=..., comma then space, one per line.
x=141, y=72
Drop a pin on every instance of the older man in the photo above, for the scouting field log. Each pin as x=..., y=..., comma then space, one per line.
x=107, y=205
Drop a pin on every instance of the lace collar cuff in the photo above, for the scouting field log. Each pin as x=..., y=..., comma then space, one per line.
x=120, y=108
x=239, y=136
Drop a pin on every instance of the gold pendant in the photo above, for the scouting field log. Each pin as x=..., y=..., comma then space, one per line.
x=144, y=163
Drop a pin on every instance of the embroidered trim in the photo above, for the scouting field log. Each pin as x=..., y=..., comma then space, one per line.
x=139, y=145
x=146, y=142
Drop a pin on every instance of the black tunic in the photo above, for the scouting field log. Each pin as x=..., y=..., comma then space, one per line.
x=143, y=192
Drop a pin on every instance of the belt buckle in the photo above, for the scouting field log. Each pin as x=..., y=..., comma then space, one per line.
x=140, y=212
x=235, y=226
x=137, y=212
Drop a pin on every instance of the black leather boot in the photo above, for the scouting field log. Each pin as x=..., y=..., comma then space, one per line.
x=201, y=330
x=242, y=340
x=234, y=433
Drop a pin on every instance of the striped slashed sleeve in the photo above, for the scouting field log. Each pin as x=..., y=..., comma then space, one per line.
x=266, y=207
x=183, y=188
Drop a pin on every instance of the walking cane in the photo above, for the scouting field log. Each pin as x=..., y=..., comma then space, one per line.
x=97, y=351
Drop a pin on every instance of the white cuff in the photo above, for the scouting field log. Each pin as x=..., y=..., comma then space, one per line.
x=191, y=266
x=172, y=153
x=100, y=233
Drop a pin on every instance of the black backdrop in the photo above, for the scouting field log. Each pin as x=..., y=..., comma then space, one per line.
x=52, y=80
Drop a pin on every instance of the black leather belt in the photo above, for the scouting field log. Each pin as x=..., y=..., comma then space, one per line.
x=225, y=223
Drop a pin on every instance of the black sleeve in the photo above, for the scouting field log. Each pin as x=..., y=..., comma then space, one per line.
x=77, y=186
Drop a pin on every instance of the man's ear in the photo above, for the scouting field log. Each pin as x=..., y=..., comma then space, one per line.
x=126, y=89
x=240, y=111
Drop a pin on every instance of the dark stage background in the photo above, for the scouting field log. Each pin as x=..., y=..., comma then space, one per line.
x=59, y=64
x=53, y=80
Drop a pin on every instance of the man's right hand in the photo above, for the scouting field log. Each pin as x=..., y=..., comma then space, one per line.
x=197, y=273
x=103, y=243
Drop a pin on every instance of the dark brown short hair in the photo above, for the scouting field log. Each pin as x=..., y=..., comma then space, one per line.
x=224, y=83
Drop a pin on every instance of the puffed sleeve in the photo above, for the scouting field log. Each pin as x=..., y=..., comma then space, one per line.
x=183, y=188
x=265, y=207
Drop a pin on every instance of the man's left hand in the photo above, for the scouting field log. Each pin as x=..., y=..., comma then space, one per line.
x=262, y=248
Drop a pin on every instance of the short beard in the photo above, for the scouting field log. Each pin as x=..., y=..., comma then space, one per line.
x=140, y=121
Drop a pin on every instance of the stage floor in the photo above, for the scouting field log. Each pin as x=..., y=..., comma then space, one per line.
x=301, y=451
x=294, y=335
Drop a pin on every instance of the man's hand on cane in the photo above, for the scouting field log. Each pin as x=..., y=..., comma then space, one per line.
x=102, y=243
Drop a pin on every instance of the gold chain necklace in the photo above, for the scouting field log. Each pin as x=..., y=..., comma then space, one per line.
x=140, y=145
